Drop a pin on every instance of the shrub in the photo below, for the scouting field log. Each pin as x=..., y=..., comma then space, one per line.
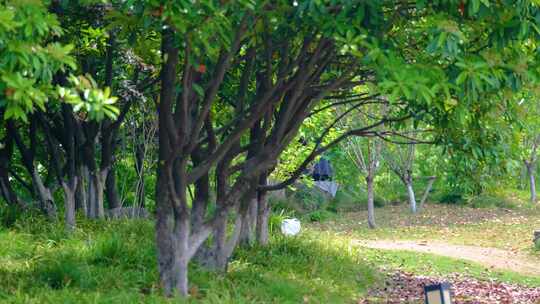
x=490, y=201
x=308, y=198
x=450, y=198
x=282, y=205
x=319, y=215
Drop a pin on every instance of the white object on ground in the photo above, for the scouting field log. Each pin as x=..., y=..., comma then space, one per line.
x=290, y=227
x=329, y=186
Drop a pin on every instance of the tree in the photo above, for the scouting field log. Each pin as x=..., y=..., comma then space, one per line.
x=529, y=136
x=295, y=70
x=29, y=61
x=365, y=152
x=400, y=159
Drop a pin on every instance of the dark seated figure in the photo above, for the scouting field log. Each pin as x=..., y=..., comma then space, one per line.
x=322, y=171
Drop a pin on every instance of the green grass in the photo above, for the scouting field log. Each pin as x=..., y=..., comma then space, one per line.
x=115, y=262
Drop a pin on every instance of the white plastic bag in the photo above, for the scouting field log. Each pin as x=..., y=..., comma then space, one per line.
x=290, y=227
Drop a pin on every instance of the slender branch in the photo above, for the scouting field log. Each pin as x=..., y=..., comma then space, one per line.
x=209, y=96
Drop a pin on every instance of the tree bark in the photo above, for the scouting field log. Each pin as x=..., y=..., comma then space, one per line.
x=263, y=213
x=111, y=191
x=139, y=169
x=6, y=191
x=426, y=192
x=164, y=236
x=410, y=193
x=248, y=212
x=200, y=202
x=224, y=246
x=532, y=180
x=46, y=200
x=81, y=198
x=5, y=188
x=370, y=202
x=173, y=221
x=182, y=232
x=70, y=189
x=95, y=195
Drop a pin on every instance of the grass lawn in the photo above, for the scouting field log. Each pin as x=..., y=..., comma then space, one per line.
x=114, y=262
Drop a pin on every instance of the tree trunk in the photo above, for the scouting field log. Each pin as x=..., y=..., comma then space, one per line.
x=216, y=256
x=370, y=202
x=224, y=246
x=263, y=213
x=532, y=181
x=426, y=192
x=70, y=189
x=164, y=236
x=139, y=169
x=200, y=202
x=111, y=191
x=410, y=192
x=175, y=243
x=7, y=192
x=219, y=255
x=46, y=200
x=182, y=232
x=95, y=195
x=249, y=220
x=81, y=202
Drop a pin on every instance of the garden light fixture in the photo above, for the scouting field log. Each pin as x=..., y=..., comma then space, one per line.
x=438, y=294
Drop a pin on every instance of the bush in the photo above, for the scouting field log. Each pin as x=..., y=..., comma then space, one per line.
x=450, y=198
x=490, y=201
x=306, y=198
x=319, y=216
x=283, y=206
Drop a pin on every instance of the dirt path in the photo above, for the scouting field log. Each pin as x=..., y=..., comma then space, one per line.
x=489, y=257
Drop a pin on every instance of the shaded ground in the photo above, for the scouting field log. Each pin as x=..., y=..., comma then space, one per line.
x=489, y=257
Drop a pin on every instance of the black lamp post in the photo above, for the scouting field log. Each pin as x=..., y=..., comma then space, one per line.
x=438, y=294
